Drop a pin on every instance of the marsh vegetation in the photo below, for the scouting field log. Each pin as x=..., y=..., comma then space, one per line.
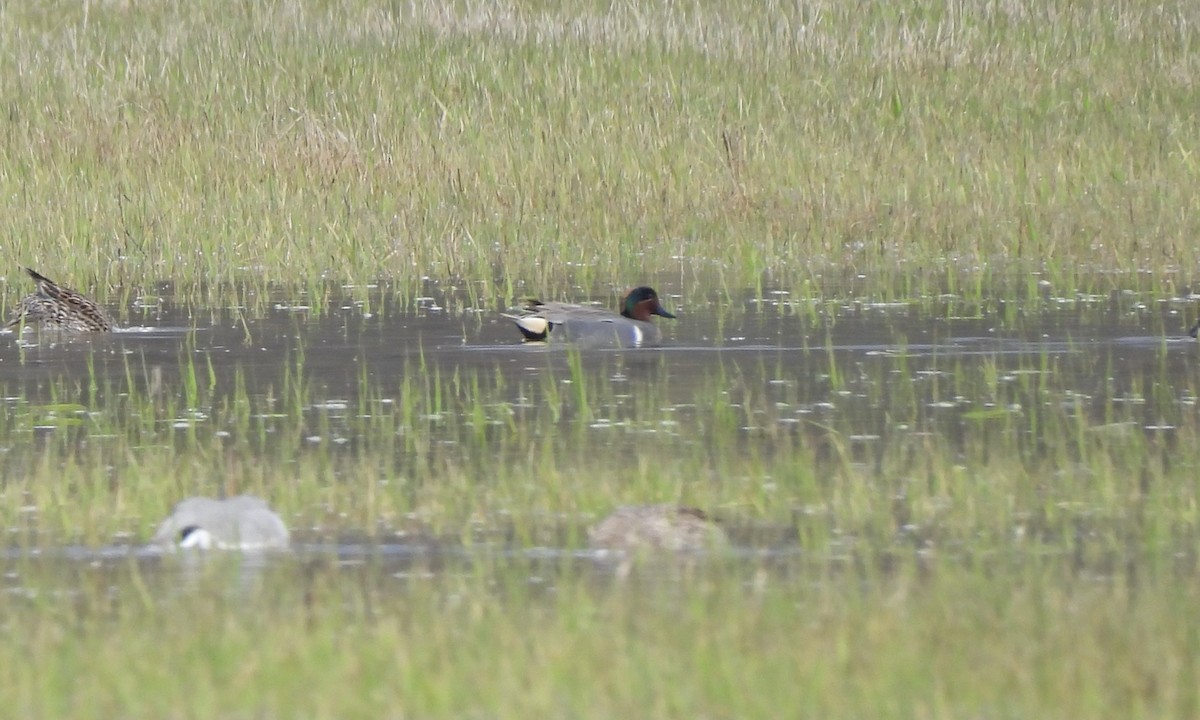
x=931, y=269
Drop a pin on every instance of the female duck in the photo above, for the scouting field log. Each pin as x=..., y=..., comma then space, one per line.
x=595, y=327
x=657, y=528
x=53, y=306
x=243, y=522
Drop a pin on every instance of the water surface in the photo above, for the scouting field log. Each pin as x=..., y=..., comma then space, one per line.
x=753, y=377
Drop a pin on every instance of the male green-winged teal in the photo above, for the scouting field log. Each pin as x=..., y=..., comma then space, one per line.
x=242, y=522
x=53, y=306
x=596, y=327
x=669, y=528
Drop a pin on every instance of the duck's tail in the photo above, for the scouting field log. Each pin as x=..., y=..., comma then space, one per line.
x=533, y=327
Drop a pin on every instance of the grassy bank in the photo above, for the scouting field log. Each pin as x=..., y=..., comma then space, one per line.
x=1010, y=636
x=508, y=145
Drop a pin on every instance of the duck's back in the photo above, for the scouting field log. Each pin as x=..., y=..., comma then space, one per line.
x=55, y=306
x=668, y=528
x=242, y=521
x=596, y=327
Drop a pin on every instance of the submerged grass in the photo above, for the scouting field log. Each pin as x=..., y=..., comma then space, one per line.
x=903, y=446
x=924, y=529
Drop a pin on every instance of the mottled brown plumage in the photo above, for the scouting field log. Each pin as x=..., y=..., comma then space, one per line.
x=57, y=307
x=668, y=528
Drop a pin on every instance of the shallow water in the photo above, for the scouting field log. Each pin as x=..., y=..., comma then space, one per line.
x=763, y=341
x=874, y=372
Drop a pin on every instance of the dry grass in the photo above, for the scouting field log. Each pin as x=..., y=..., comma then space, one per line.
x=532, y=144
